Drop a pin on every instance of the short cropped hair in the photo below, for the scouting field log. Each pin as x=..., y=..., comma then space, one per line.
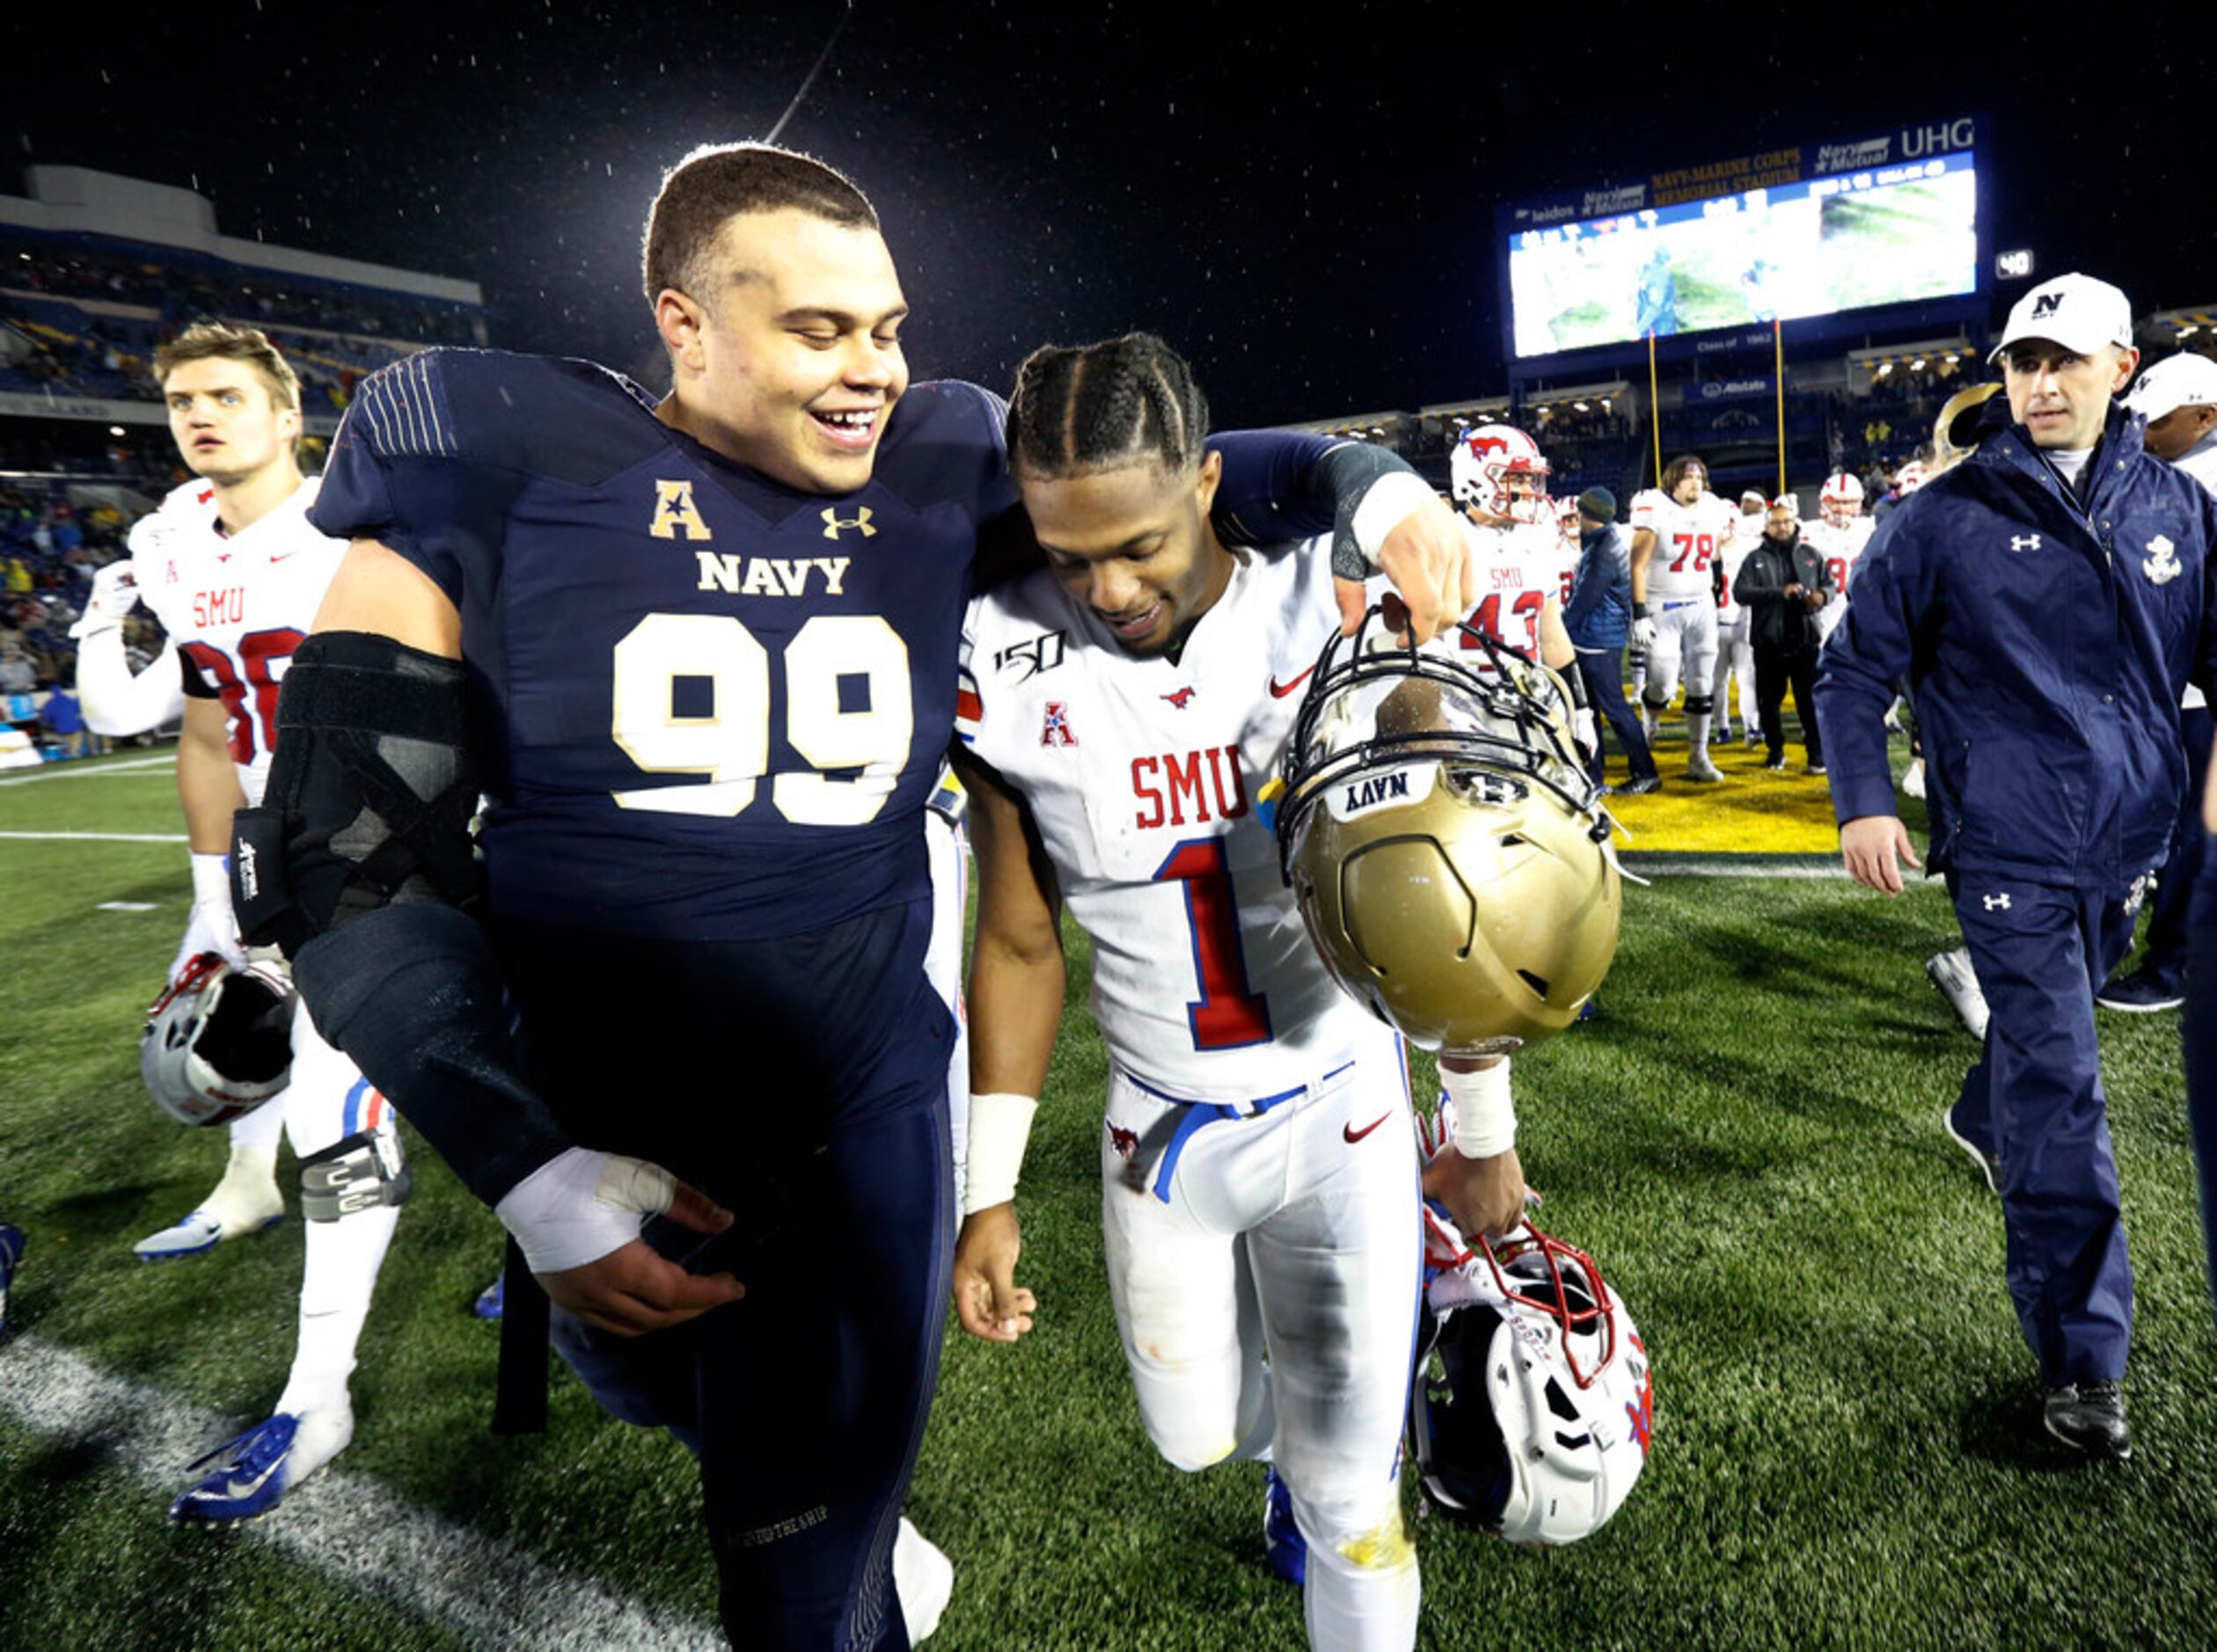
x=1674, y=472
x=717, y=182
x=204, y=340
x=1099, y=406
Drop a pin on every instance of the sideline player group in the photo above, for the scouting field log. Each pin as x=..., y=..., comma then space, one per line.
x=438, y=823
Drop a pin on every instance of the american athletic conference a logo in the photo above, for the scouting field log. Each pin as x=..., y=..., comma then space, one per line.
x=1055, y=729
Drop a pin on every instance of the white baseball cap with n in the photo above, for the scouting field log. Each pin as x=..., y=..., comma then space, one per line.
x=2185, y=380
x=2076, y=311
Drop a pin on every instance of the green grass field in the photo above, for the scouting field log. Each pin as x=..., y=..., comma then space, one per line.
x=1845, y=1446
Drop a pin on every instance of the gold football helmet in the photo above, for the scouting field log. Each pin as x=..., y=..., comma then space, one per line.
x=1444, y=843
x=1955, y=432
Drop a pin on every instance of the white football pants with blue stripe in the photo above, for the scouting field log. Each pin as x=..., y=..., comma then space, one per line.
x=1265, y=1273
x=328, y=1100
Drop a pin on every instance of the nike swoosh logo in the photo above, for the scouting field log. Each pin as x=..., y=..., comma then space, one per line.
x=1349, y=1131
x=1279, y=691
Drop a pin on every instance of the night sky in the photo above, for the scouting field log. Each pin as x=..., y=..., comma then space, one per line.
x=1307, y=213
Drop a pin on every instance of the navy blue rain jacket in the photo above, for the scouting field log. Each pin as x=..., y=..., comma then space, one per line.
x=2047, y=639
x=1600, y=606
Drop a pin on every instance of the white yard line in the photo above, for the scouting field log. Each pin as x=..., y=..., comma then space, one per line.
x=95, y=838
x=347, y=1528
x=136, y=766
x=1657, y=866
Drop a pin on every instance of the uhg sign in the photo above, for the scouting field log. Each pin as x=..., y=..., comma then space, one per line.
x=1937, y=140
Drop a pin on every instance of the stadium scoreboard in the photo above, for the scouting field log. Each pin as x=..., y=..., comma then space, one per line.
x=1786, y=234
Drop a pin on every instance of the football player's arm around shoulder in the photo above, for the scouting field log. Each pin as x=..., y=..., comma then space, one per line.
x=1014, y=998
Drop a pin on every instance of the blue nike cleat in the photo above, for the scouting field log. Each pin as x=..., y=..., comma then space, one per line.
x=1282, y=1539
x=493, y=1300
x=11, y=1253
x=253, y=1472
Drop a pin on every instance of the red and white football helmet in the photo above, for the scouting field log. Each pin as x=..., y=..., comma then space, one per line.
x=1498, y=469
x=1534, y=1406
x=1909, y=477
x=218, y=1042
x=1840, y=501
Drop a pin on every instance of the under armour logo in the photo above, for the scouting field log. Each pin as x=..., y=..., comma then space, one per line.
x=2046, y=304
x=2024, y=542
x=833, y=522
x=1996, y=902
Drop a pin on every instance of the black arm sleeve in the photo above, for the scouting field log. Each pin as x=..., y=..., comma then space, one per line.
x=359, y=864
x=412, y=993
x=1278, y=487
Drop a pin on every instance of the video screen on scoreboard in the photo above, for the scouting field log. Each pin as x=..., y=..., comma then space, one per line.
x=1890, y=235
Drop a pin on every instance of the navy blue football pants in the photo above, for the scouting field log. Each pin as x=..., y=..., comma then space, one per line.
x=2035, y=1099
x=2165, y=958
x=801, y=1083
x=2198, y=1024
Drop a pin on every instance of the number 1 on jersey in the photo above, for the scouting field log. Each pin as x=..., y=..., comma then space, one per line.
x=1227, y=1016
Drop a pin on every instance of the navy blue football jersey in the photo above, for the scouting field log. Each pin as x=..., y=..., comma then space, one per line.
x=718, y=703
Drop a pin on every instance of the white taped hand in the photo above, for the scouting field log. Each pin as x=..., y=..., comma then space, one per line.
x=580, y=1205
x=115, y=593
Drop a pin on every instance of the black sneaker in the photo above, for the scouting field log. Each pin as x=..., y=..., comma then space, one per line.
x=2089, y=1417
x=1642, y=787
x=2139, y=993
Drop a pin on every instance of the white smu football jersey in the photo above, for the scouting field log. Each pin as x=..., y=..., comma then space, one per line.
x=1687, y=539
x=1519, y=567
x=1840, y=548
x=1143, y=776
x=1728, y=558
x=236, y=606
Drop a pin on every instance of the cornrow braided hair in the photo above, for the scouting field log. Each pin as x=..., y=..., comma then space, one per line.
x=1100, y=406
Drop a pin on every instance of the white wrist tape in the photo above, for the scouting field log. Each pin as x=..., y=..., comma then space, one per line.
x=211, y=881
x=1390, y=499
x=212, y=907
x=1485, y=1118
x=999, y=1126
x=580, y=1205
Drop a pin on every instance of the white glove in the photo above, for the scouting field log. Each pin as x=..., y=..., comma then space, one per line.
x=115, y=593
x=1643, y=632
x=211, y=927
x=580, y=1205
x=1586, y=731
